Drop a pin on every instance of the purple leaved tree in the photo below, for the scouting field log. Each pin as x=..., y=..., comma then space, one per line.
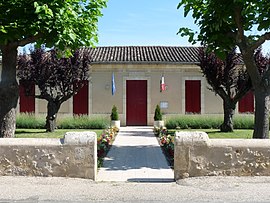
x=227, y=79
x=58, y=79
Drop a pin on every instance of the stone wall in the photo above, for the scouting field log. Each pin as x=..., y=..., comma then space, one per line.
x=74, y=156
x=197, y=155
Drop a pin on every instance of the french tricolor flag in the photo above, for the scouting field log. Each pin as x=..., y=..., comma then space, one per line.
x=162, y=84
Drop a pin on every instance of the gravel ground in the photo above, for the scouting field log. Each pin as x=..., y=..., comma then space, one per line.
x=203, y=189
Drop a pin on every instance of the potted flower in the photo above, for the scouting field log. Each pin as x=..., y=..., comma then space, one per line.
x=158, y=122
x=115, y=122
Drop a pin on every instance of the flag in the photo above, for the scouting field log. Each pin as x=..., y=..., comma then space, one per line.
x=162, y=84
x=113, y=85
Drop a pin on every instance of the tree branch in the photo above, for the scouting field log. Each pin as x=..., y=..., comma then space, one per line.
x=240, y=94
x=239, y=23
x=43, y=96
x=65, y=98
x=28, y=40
x=39, y=96
x=231, y=34
x=261, y=40
x=221, y=92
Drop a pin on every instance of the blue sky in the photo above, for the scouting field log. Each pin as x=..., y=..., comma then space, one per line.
x=145, y=22
x=142, y=22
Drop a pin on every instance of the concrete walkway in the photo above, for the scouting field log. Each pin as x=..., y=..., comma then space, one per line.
x=135, y=157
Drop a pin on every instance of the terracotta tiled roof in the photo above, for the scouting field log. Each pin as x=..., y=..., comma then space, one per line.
x=145, y=54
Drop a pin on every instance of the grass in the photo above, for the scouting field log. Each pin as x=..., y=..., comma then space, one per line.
x=216, y=134
x=41, y=133
x=59, y=133
x=237, y=134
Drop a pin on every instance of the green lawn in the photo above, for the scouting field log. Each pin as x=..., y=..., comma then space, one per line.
x=215, y=133
x=41, y=133
x=59, y=133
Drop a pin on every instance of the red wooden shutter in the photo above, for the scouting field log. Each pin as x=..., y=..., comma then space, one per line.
x=246, y=104
x=193, y=96
x=27, y=97
x=80, y=100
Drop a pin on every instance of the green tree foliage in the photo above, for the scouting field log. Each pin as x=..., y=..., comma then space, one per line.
x=224, y=24
x=63, y=24
x=66, y=25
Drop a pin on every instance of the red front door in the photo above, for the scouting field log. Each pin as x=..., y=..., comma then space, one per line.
x=80, y=100
x=193, y=96
x=137, y=102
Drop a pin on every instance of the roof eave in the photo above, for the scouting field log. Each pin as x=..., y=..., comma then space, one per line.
x=146, y=62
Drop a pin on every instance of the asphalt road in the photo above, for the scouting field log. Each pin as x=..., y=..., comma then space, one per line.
x=203, y=189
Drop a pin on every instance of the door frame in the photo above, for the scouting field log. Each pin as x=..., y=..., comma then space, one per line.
x=125, y=96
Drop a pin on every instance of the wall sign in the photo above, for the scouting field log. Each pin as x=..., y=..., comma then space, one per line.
x=164, y=105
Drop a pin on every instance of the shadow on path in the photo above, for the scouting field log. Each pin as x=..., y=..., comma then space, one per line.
x=136, y=157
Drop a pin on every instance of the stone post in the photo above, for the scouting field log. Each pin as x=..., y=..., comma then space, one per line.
x=185, y=142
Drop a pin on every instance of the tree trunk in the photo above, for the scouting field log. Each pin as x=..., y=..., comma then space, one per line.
x=52, y=110
x=228, y=108
x=9, y=91
x=261, y=91
x=261, y=123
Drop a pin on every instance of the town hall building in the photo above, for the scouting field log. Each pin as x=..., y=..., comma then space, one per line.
x=136, y=79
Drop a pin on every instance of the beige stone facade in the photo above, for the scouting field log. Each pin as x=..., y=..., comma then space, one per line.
x=175, y=76
x=101, y=99
x=176, y=64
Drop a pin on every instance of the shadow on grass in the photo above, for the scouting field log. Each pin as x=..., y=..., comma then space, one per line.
x=213, y=132
x=29, y=132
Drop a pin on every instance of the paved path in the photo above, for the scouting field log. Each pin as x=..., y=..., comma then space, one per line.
x=135, y=157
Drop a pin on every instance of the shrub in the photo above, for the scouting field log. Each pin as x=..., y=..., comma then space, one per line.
x=29, y=120
x=114, y=114
x=158, y=114
x=25, y=120
x=208, y=122
x=244, y=122
x=83, y=122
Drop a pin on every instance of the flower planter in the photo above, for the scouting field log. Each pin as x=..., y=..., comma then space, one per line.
x=159, y=124
x=115, y=123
